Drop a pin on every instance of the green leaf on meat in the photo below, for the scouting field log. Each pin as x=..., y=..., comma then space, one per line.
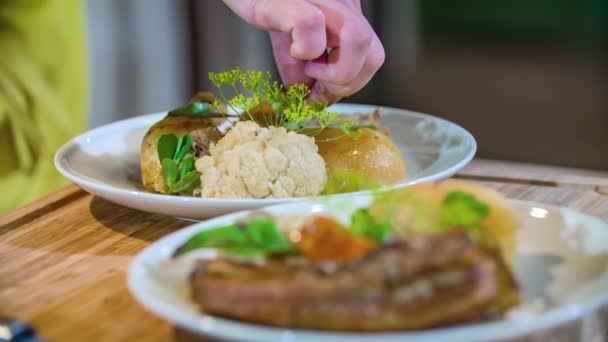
x=266, y=234
x=460, y=209
x=363, y=224
x=257, y=237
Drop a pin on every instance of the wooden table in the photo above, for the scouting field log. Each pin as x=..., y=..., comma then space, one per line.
x=63, y=258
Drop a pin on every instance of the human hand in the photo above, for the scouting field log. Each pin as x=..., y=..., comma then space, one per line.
x=326, y=44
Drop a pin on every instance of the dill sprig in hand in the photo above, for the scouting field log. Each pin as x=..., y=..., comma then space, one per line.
x=279, y=107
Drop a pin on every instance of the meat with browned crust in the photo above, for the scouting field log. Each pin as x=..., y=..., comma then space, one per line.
x=423, y=283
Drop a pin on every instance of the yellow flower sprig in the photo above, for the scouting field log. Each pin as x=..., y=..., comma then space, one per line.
x=290, y=107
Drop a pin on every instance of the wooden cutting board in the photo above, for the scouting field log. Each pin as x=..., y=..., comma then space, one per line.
x=63, y=258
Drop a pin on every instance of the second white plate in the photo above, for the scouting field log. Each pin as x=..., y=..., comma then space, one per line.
x=105, y=161
x=561, y=267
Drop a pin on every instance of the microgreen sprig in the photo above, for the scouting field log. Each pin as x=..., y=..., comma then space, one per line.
x=177, y=163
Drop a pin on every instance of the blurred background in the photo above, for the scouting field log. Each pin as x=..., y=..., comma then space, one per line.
x=528, y=78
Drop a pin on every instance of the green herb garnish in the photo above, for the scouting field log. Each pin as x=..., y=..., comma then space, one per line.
x=186, y=182
x=166, y=146
x=177, y=163
x=186, y=166
x=347, y=181
x=363, y=224
x=460, y=209
x=286, y=108
x=170, y=171
x=197, y=108
x=184, y=144
x=257, y=238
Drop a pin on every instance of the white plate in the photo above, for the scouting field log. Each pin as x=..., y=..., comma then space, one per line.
x=105, y=161
x=561, y=265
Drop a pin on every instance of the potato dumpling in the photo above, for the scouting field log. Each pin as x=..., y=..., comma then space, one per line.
x=203, y=131
x=371, y=154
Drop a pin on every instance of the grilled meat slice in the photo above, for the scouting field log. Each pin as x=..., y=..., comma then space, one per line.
x=423, y=283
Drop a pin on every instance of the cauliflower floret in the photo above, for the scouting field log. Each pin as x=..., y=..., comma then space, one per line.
x=257, y=162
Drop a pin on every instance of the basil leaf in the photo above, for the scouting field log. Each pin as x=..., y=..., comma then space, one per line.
x=258, y=238
x=363, y=224
x=244, y=251
x=169, y=172
x=166, y=146
x=265, y=234
x=186, y=165
x=184, y=147
x=188, y=182
x=221, y=238
x=359, y=221
x=460, y=209
x=193, y=109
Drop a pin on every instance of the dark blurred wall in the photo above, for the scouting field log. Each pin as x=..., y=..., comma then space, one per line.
x=528, y=79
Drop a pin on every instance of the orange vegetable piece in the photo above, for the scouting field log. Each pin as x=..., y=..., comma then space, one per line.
x=324, y=239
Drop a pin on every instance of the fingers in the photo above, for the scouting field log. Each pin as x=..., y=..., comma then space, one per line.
x=355, y=3
x=373, y=62
x=301, y=33
x=356, y=52
x=330, y=92
x=304, y=22
x=290, y=69
x=350, y=36
x=344, y=62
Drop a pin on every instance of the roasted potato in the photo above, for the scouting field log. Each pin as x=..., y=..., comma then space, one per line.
x=371, y=154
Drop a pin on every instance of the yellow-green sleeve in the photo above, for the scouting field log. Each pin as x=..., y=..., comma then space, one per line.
x=43, y=93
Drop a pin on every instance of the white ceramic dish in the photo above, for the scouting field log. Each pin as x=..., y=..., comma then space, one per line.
x=562, y=267
x=105, y=161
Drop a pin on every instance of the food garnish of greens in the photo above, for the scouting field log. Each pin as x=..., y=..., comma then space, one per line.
x=366, y=226
x=412, y=276
x=262, y=237
x=177, y=161
x=256, y=98
x=259, y=237
x=323, y=238
x=274, y=105
x=460, y=209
